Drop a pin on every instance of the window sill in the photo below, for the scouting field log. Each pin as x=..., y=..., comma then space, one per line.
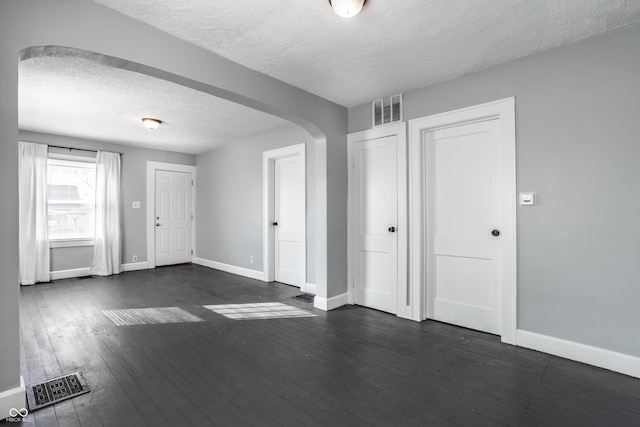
x=71, y=243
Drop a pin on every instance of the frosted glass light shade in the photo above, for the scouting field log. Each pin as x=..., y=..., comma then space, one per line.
x=151, y=123
x=347, y=8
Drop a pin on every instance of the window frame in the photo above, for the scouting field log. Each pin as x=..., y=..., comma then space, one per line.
x=70, y=242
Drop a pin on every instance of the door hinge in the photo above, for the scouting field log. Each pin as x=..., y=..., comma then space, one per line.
x=191, y=217
x=353, y=163
x=191, y=251
x=353, y=282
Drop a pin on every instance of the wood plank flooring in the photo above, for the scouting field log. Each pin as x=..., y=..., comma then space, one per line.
x=348, y=367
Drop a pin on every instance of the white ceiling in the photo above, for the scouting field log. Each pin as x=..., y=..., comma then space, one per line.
x=77, y=97
x=390, y=47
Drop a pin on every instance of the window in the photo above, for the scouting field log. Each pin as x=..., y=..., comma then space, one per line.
x=71, y=200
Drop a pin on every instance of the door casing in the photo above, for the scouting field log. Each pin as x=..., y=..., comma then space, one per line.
x=152, y=167
x=504, y=111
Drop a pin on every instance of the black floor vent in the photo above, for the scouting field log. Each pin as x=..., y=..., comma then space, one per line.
x=56, y=390
x=305, y=297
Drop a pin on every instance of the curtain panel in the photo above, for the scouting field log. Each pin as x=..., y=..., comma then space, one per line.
x=34, y=257
x=106, y=255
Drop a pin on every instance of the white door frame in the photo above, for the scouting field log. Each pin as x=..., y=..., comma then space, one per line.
x=152, y=167
x=405, y=304
x=504, y=111
x=268, y=193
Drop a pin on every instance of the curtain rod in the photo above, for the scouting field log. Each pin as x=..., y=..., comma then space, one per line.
x=80, y=149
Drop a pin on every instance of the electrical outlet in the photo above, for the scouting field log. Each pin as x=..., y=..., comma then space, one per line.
x=251, y=259
x=135, y=258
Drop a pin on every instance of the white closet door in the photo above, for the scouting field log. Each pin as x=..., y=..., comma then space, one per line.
x=290, y=219
x=464, y=257
x=375, y=215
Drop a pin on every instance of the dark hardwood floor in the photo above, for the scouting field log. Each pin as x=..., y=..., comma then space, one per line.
x=351, y=366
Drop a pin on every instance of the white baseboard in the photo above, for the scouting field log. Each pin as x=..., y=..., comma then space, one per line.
x=13, y=398
x=310, y=288
x=86, y=271
x=69, y=274
x=240, y=271
x=135, y=266
x=327, y=304
x=618, y=362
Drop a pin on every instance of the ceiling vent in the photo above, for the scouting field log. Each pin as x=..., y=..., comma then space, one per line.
x=387, y=110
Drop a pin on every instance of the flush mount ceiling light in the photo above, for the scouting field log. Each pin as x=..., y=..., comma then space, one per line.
x=151, y=123
x=347, y=8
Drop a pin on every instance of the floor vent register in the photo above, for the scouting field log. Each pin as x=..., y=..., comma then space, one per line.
x=56, y=390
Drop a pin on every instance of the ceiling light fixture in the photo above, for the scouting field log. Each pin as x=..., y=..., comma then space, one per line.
x=151, y=123
x=347, y=8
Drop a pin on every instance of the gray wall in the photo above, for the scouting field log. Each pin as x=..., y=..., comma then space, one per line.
x=229, y=199
x=86, y=25
x=9, y=288
x=71, y=258
x=578, y=147
x=134, y=187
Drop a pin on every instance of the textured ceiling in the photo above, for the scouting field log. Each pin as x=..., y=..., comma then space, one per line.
x=80, y=98
x=392, y=46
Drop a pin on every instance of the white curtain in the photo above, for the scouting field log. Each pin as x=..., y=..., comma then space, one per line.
x=33, y=226
x=106, y=255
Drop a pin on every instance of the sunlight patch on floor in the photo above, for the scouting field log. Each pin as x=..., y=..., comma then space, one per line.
x=254, y=311
x=149, y=316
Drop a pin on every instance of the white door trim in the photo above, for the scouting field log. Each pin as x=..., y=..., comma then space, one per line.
x=152, y=167
x=405, y=305
x=504, y=111
x=268, y=191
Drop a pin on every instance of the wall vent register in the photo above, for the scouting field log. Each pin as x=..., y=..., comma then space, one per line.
x=387, y=110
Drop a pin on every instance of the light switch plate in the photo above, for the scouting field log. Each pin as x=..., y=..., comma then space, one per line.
x=136, y=205
x=527, y=199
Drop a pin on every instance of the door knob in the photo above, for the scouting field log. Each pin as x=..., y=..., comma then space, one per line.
x=495, y=232
x=275, y=223
x=157, y=224
x=392, y=229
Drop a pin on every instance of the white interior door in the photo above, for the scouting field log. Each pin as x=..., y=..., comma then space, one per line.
x=289, y=220
x=375, y=218
x=464, y=219
x=173, y=217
